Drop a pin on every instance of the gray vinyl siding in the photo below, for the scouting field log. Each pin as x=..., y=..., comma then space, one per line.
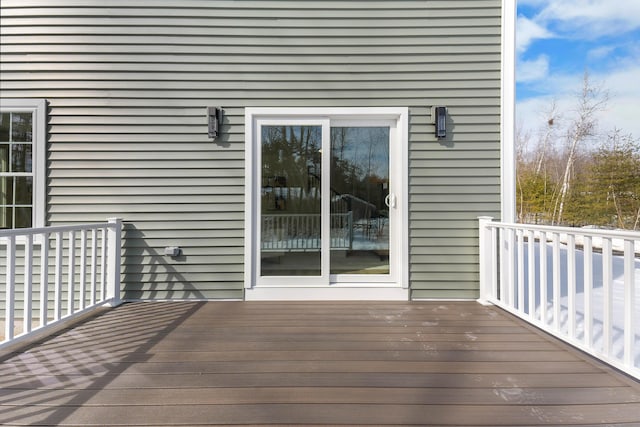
x=128, y=82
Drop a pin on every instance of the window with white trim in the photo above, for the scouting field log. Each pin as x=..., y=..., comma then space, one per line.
x=22, y=170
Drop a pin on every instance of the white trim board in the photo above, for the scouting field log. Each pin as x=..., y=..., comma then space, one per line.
x=507, y=112
x=396, y=290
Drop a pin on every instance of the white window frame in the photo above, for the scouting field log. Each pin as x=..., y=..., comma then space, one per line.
x=38, y=108
x=252, y=158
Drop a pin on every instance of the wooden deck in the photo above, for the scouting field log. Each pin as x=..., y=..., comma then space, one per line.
x=314, y=363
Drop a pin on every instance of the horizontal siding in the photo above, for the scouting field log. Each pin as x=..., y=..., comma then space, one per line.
x=128, y=82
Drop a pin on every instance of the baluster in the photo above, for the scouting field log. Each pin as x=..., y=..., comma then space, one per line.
x=352, y=229
x=532, y=273
x=275, y=232
x=543, y=278
x=556, y=282
x=28, y=283
x=511, y=266
x=94, y=256
x=520, y=260
x=71, y=270
x=283, y=230
x=504, y=287
x=286, y=224
x=607, y=282
x=273, y=239
x=588, y=287
x=571, y=285
x=44, y=280
x=494, y=263
x=57, y=308
x=83, y=268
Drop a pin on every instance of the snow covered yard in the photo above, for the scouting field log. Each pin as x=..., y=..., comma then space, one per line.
x=597, y=295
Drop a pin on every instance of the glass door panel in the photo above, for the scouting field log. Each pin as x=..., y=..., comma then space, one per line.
x=359, y=211
x=291, y=200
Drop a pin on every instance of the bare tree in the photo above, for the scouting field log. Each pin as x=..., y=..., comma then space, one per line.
x=548, y=135
x=591, y=100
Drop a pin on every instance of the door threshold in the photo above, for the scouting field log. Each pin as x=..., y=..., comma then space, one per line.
x=329, y=293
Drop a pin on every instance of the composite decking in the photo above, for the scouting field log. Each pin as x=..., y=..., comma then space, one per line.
x=315, y=363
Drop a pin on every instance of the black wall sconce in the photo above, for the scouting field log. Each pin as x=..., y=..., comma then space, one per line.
x=440, y=120
x=214, y=118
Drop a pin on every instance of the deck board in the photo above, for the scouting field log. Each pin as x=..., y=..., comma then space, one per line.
x=310, y=363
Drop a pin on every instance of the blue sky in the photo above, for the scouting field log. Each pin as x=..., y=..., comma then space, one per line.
x=557, y=40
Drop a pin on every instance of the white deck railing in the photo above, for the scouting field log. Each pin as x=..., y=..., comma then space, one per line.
x=301, y=232
x=580, y=285
x=84, y=262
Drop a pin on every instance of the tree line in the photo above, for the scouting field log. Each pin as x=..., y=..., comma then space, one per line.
x=569, y=174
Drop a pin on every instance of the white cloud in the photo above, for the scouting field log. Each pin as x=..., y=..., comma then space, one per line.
x=622, y=110
x=625, y=100
x=527, y=31
x=534, y=3
x=591, y=18
x=534, y=70
x=601, y=52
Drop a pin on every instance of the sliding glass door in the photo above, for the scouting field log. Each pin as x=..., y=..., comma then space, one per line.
x=327, y=201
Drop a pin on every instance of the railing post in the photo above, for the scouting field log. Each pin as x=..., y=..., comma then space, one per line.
x=629, y=302
x=486, y=260
x=114, y=232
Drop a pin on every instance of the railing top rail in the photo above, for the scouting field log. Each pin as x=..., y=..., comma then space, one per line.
x=54, y=229
x=617, y=234
x=304, y=214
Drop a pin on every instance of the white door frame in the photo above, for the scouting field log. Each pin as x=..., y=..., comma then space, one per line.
x=320, y=287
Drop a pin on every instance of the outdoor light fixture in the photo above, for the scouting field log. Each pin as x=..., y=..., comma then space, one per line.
x=214, y=117
x=440, y=120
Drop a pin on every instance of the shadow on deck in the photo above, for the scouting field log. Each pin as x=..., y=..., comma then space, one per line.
x=371, y=363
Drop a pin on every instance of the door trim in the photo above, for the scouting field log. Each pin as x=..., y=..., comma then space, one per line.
x=252, y=158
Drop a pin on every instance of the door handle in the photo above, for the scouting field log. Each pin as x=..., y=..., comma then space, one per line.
x=390, y=200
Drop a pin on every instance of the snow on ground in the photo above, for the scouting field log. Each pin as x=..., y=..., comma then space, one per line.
x=597, y=298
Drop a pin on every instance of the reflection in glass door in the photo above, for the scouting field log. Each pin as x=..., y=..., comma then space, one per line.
x=325, y=197
x=291, y=201
x=359, y=196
